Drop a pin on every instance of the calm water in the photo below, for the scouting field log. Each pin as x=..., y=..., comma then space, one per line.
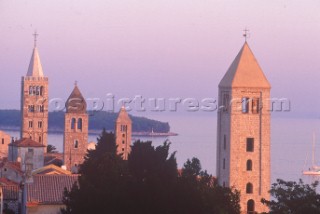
x=291, y=142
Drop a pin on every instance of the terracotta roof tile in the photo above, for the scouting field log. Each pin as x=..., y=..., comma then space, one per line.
x=5, y=181
x=51, y=170
x=48, y=189
x=10, y=192
x=26, y=142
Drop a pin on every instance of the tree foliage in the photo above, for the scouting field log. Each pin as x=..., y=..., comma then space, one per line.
x=199, y=192
x=293, y=197
x=148, y=182
x=51, y=149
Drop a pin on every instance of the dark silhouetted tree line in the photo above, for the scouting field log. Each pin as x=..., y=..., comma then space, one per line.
x=147, y=183
x=293, y=197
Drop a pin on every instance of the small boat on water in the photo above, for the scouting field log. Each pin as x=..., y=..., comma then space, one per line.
x=314, y=170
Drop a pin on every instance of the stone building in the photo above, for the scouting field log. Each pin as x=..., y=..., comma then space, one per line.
x=243, y=137
x=11, y=170
x=75, y=140
x=45, y=194
x=123, y=129
x=10, y=194
x=34, y=102
x=4, y=142
x=27, y=152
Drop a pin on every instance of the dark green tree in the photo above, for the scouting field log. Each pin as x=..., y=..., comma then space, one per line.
x=293, y=197
x=51, y=149
x=101, y=185
x=199, y=192
x=148, y=182
x=153, y=180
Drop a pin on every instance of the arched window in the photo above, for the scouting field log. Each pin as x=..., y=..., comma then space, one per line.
x=41, y=90
x=33, y=90
x=76, y=144
x=37, y=90
x=30, y=90
x=255, y=105
x=39, y=139
x=245, y=104
x=249, y=188
x=123, y=128
x=80, y=123
x=73, y=123
x=41, y=108
x=250, y=206
x=249, y=165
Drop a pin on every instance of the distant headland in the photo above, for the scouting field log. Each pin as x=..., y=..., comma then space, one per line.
x=141, y=126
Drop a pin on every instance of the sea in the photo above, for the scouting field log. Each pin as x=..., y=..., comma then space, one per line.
x=291, y=142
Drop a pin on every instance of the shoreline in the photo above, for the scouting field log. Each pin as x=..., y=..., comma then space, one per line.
x=94, y=132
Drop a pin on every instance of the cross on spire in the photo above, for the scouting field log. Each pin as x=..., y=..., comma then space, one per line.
x=246, y=34
x=35, y=38
x=75, y=83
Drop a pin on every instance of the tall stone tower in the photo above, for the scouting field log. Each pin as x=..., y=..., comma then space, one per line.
x=243, y=137
x=34, y=101
x=123, y=128
x=75, y=139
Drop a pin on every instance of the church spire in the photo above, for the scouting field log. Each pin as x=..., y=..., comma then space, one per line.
x=35, y=67
x=245, y=71
x=76, y=102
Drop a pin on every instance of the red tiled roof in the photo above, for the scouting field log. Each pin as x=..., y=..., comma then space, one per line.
x=12, y=165
x=5, y=181
x=48, y=189
x=10, y=192
x=51, y=170
x=10, y=189
x=26, y=142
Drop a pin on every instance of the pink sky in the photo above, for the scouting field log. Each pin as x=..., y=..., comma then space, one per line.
x=160, y=48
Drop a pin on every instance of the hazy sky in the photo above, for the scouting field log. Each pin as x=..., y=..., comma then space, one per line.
x=160, y=48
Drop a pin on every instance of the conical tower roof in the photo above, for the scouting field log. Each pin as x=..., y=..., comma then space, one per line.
x=245, y=72
x=35, y=68
x=123, y=116
x=76, y=102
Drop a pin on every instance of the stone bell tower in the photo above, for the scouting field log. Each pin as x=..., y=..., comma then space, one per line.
x=123, y=128
x=243, y=137
x=34, y=101
x=75, y=139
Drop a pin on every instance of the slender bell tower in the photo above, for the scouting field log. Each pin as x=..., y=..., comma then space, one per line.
x=34, y=100
x=123, y=128
x=243, y=137
x=75, y=139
